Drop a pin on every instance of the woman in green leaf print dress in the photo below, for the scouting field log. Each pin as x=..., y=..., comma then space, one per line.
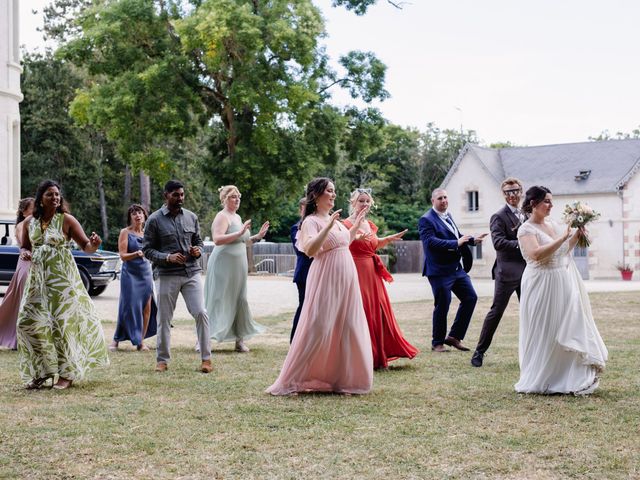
x=59, y=332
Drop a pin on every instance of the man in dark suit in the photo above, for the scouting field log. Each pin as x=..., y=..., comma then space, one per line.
x=447, y=259
x=302, y=269
x=509, y=265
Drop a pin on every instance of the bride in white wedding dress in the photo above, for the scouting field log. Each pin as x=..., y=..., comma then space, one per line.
x=560, y=349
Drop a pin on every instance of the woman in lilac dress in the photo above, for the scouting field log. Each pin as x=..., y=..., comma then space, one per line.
x=11, y=302
x=137, y=307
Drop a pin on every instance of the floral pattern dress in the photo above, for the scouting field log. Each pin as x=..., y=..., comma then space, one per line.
x=59, y=331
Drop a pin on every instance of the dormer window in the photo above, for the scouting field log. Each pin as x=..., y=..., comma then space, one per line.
x=583, y=175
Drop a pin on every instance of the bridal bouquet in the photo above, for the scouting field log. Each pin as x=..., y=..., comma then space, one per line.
x=577, y=215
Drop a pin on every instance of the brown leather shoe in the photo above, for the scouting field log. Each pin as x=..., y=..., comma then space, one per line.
x=440, y=349
x=161, y=367
x=455, y=343
x=206, y=366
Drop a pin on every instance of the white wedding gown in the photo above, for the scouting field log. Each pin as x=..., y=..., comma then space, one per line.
x=560, y=348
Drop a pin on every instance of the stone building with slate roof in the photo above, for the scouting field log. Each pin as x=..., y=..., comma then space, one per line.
x=606, y=175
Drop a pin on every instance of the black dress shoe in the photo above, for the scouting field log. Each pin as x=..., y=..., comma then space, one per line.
x=455, y=343
x=477, y=358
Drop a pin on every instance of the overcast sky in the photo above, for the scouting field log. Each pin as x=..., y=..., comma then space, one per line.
x=530, y=72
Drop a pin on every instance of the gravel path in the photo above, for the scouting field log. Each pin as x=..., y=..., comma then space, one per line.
x=272, y=295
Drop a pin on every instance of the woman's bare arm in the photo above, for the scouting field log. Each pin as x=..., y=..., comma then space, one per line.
x=219, y=230
x=73, y=230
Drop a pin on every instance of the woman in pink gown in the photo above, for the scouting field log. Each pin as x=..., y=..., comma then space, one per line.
x=331, y=351
x=11, y=302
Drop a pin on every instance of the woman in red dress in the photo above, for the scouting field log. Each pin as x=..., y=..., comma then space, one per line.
x=387, y=340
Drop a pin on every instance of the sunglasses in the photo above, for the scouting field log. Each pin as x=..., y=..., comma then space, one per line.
x=364, y=190
x=516, y=191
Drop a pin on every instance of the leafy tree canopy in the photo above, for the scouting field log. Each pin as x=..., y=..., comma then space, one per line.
x=250, y=73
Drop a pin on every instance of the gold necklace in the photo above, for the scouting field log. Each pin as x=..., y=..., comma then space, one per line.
x=44, y=225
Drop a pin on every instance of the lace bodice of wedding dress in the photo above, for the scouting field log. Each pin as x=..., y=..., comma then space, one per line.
x=558, y=259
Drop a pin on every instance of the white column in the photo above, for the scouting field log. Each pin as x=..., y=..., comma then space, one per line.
x=10, y=97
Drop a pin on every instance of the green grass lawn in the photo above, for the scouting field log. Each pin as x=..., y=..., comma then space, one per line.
x=433, y=417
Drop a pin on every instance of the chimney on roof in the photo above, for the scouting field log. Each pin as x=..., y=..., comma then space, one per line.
x=582, y=175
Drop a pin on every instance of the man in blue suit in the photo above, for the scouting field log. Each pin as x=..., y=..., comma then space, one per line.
x=447, y=259
x=302, y=269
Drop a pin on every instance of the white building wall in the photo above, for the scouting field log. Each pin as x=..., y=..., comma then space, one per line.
x=611, y=234
x=631, y=223
x=472, y=176
x=605, y=233
x=10, y=97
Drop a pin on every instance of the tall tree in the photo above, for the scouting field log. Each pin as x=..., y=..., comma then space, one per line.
x=605, y=135
x=360, y=7
x=53, y=146
x=440, y=148
x=250, y=73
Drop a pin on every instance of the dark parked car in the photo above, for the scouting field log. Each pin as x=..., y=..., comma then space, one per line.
x=96, y=269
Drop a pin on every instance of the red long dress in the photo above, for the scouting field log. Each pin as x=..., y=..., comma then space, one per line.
x=387, y=340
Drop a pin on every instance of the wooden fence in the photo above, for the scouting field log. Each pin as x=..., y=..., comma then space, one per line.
x=280, y=258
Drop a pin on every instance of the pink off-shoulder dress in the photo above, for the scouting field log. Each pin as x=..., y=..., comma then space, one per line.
x=331, y=351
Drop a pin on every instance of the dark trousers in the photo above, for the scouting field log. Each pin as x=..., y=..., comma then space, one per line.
x=442, y=287
x=302, y=286
x=502, y=292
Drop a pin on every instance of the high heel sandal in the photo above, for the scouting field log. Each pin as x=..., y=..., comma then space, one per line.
x=38, y=383
x=62, y=383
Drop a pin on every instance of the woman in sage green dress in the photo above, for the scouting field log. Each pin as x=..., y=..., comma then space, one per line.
x=59, y=332
x=225, y=291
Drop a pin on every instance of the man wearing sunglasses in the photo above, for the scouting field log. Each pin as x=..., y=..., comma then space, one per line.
x=509, y=265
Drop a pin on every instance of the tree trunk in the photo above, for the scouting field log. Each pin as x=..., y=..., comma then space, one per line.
x=103, y=201
x=127, y=191
x=145, y=190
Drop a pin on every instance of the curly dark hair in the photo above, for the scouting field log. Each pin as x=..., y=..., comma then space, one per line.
x=315, y=188
x=23, y=206
x=136, y=208
x=38, y=210
x=533, y=197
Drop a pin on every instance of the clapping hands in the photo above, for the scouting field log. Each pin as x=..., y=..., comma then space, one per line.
x=263, y=230
x=334, y=216
x=245, y=226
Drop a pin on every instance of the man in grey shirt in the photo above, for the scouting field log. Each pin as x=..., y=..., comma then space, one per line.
x=172, y=242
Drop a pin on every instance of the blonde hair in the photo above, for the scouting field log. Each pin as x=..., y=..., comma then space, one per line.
x=227, y=190
x=354, y=198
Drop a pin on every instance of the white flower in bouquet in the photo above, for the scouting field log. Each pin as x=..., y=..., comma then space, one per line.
x=578, y=215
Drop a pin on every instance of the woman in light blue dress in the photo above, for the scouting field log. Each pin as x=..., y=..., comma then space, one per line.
x=225, y=290
x=137, y=307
